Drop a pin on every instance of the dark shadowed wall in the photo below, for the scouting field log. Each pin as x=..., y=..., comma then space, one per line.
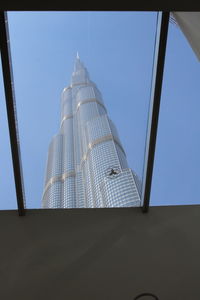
x=100, y=254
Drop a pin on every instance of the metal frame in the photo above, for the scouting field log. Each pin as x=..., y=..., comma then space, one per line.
x=157, y=77
x=11, y=111
x=156, y=88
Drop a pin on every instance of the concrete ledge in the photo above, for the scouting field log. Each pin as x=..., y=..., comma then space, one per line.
x=113, y=253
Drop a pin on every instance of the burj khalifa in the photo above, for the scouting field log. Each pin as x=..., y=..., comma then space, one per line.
x=86, y=164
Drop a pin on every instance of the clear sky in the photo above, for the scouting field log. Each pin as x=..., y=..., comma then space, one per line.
x=117, y=49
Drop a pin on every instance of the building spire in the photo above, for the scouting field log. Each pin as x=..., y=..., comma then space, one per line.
x=78, y=64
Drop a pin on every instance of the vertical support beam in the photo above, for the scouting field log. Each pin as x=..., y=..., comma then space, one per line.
x=156, y=88
x=11, y=111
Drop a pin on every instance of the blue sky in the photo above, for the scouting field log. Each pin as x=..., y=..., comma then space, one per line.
x=117, y=49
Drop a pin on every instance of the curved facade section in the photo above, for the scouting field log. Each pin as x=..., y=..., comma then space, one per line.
x=54, y=162
x=86, y=164
x=120, y=190
x=53, y=183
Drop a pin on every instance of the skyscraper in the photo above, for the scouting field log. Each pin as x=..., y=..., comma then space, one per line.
x=86, y=164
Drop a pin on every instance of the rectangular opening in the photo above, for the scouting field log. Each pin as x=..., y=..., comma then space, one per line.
x=87, y=149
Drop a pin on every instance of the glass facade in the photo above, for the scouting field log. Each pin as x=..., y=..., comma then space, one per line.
x=87, y=164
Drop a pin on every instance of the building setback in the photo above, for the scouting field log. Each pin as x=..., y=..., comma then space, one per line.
x=86, y=165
